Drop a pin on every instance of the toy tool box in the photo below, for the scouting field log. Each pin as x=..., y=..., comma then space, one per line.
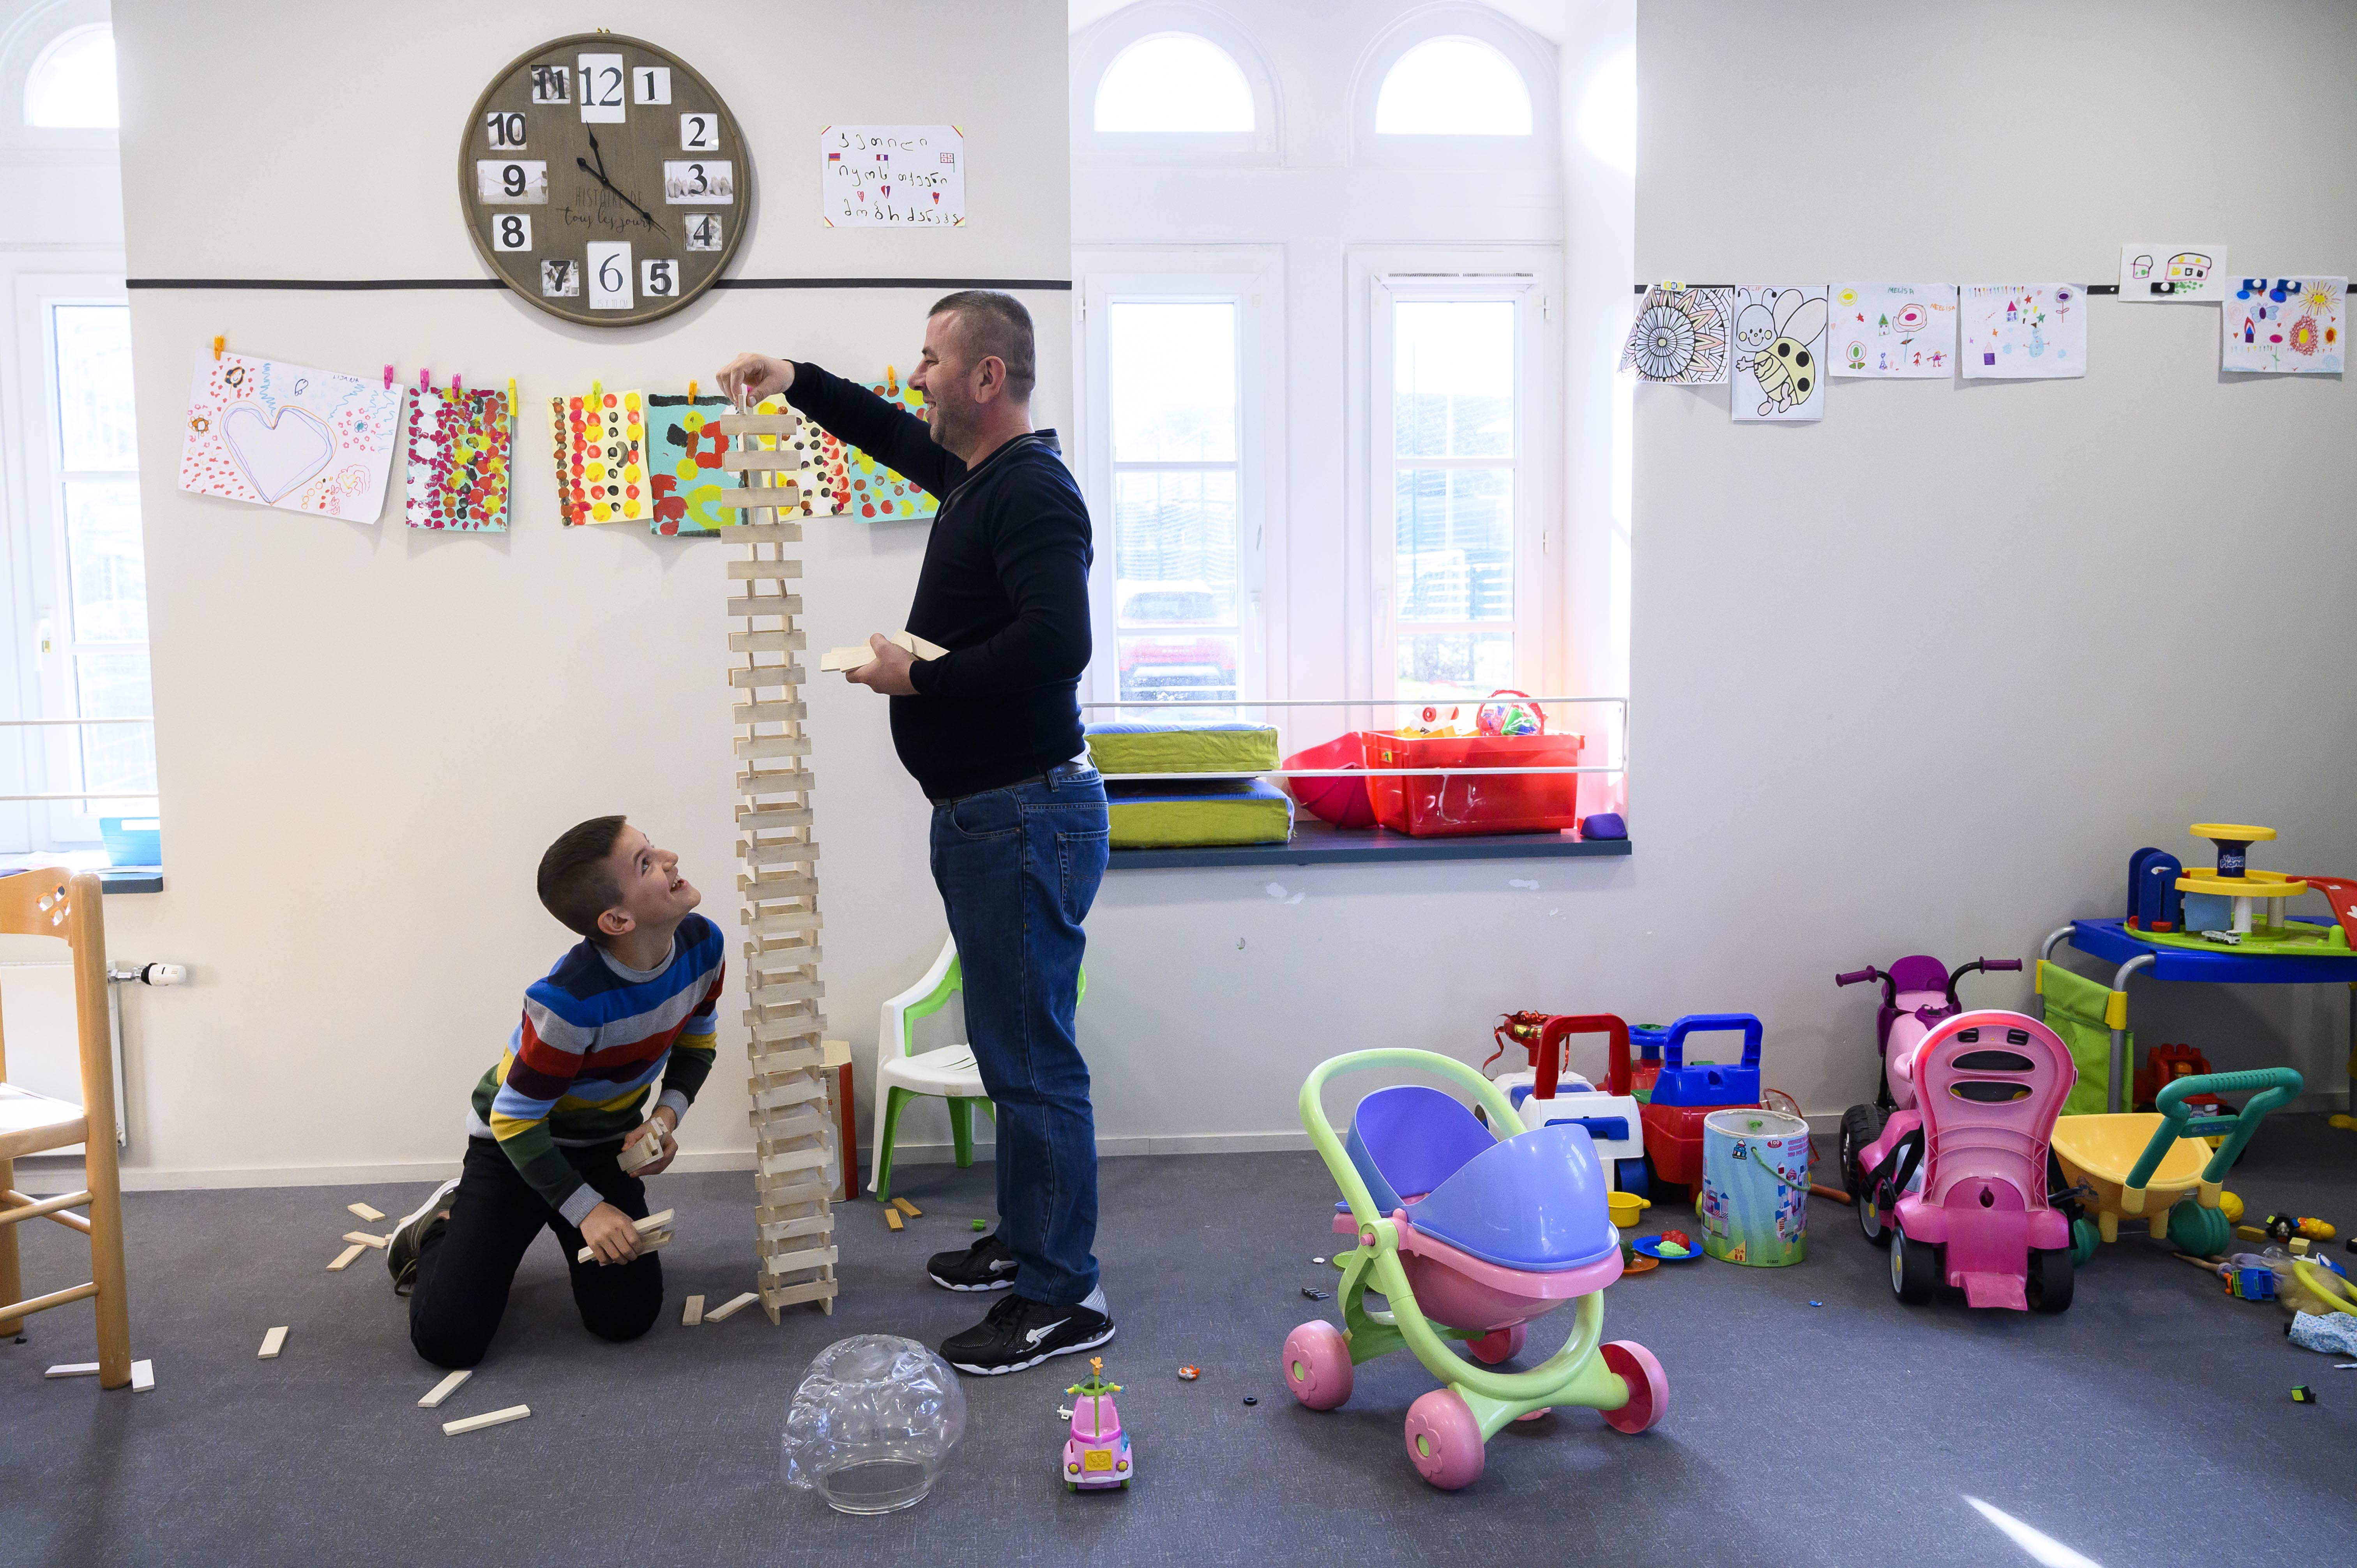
x=1684, y=1093
x=1472, y=798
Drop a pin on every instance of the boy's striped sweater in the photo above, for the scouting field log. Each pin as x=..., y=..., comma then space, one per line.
x=594, y=1040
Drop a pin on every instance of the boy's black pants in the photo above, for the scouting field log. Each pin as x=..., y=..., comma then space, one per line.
x=466, y=1265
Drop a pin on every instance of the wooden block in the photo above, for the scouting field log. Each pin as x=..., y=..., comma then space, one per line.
x=692, y=1313
x=275, y=1341
x=787, y=1229
x=749, y=605
x=646, y=1150
x=78, y=1369
x=798, y=991
x=759, y=460
x=364, y=1211
x=767, y=641
x=779, y=533
x=143, y=1375
x=835, y=1053
x=752, y=746
x=910, y=1210
x=758, y=424
x=722, y=1314
x=763, y=571
x=776, y=781
x=788, y=920
x=772, y=713
x=892, y=1218
x=344, y=1258
x=365, y=1239
x=779, y=1097
x=796, y=1263
x=476, y=1422
x=443, y=1389
x=810, y=1290
x=796, y=1160
x=759, y=819
x=918, y=646
x=849, y=657
x=654, y=1243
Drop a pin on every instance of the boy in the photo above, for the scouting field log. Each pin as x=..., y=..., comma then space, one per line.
x=630, y=1006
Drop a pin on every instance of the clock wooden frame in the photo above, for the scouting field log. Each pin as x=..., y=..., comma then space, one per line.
x=575, y=211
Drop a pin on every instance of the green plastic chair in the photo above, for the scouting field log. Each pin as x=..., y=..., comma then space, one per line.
x=903, y=1073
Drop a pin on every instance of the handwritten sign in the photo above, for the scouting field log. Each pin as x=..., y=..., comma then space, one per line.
x=892, y=176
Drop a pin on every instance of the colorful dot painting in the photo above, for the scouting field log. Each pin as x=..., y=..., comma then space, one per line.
x=460, y=446
x=601, y=473
x=862, y=488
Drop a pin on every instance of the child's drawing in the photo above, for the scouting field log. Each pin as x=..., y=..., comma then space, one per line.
x=459, y=445
x=2285, y=327
x=601, y=473
x=859, y=485
x=1779, y=351
x=685, y=449
x=2177, y=272
x=2028, y=331
x=1679, y=337
x=1893, y=331
x=822, y=463
x=288, y=436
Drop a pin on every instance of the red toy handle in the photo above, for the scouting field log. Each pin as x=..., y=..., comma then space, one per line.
x=1550, y=1052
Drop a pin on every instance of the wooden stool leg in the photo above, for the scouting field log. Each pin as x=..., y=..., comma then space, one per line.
x=87, y=935
x=12, y=1282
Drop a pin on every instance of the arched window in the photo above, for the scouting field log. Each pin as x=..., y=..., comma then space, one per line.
x=1175, y=82
x=71, y=86
x=1453, y=87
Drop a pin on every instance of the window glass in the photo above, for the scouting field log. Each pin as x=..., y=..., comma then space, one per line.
x=95, y=424
x=1453, y=379
x=1453, y=87
x=1174, y=82
x=1453, y=543
x=1173, y=381
x=71, y=86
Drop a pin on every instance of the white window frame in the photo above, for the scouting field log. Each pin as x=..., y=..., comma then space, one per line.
x=1252, y=278
x=1097, y=46
x=1530, y=277
x=45, y=759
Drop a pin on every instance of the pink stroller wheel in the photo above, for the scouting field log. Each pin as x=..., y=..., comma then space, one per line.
x=1317, y=1365
x=1499, y=1344
x=1649, y=1386
x=1444, y=1440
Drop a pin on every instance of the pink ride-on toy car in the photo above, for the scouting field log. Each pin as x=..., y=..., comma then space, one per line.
x=1917, y=992
x=1956, y=1186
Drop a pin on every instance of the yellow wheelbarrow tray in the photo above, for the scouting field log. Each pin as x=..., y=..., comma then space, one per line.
x=2148, y=1165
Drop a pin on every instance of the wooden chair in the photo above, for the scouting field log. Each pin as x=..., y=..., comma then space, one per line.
x=51, y=901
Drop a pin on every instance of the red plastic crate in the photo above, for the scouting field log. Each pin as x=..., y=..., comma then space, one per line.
x=1471, y=801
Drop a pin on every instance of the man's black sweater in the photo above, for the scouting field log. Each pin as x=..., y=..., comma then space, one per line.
x=1005, y=587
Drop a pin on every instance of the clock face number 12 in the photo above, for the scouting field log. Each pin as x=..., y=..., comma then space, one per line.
x=604, y=179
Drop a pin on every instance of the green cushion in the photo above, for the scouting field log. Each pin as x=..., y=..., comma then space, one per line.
x=1182, y=748
x=1218, y=812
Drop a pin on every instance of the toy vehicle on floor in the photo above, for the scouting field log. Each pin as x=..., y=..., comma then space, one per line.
x=1469, y=1232
x=1957, y=1184
x=1547, y=1095
x=1917, y=992
x=1096, y=1455
x=2130, y=1160
x=1682, y=1093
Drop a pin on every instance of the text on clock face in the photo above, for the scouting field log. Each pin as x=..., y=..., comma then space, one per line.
x=703, y=232
x=699, y=133
x=507, y=180
x=601, y=90
x=693, y=181
x=610, y=275
x=511, y=232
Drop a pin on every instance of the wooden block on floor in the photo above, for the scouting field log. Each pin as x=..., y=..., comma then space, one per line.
x=892, y=1218
x=275, y=1340
x=344, y=1258
x=365, y=1239
x=723, y=1313
x=72, y=1370
x=366, y=1212
x=910, y=1210
x=443, y=1389
x=692, y=1313
x=476, y=1422
x=143, y=1375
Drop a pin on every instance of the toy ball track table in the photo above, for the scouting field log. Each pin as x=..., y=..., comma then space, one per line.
x=2257, y=945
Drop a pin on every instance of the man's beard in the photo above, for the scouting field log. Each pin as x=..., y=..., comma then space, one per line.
x=948, y=430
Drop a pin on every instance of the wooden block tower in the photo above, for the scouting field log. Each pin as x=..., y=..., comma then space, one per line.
x=798, y=1158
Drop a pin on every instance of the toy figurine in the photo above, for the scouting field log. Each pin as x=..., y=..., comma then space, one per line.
x=2284, y=1226
x=1096, y=1455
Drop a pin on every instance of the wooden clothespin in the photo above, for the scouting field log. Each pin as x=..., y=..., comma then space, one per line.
x=219, y=344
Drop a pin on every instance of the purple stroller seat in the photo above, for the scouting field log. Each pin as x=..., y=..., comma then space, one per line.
x=1533, y=1202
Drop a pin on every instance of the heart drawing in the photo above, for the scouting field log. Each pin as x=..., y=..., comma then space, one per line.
x=277, y=455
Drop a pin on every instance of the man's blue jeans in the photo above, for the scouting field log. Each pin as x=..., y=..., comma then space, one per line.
x=1018, y=868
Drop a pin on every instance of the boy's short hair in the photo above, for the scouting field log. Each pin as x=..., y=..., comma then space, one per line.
x=995, y=323
x=575, y=885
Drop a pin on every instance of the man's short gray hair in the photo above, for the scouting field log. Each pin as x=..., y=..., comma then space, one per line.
x=995, y=323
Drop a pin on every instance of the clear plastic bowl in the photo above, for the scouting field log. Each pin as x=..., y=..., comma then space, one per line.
x=872, y=1423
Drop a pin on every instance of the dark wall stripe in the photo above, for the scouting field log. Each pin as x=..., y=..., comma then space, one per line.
x=367, y=285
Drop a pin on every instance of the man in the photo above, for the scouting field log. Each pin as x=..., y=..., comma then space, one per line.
x=992, y=732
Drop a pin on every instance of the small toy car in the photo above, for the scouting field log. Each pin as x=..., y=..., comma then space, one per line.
x=1097, y=1453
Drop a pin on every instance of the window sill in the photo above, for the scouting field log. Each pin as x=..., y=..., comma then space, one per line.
x=111, y=878
x=1322, y=844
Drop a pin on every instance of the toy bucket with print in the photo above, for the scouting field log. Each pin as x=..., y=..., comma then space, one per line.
x=1755, y=1187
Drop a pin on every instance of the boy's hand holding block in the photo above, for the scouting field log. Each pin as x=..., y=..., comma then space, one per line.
x=654, y=1233
x=647, y=1150
x=857, y=654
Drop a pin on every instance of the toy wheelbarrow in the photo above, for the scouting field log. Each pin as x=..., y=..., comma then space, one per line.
x=2148, y=1165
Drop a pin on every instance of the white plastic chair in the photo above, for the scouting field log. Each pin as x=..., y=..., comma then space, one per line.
x=902, y=1072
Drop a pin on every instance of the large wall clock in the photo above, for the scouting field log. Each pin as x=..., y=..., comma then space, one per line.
x=604, y=179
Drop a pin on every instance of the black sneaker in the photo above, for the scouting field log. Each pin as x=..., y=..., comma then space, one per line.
x=985, y=1265
x=1020, y=1332
x=401, y=1253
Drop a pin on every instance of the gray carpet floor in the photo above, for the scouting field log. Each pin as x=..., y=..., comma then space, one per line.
x=2132, y=1429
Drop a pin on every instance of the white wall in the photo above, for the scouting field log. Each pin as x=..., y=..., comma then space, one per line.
x=366, y=735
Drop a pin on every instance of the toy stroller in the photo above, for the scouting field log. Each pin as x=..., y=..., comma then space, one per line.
x=1468, y=1237
x=1987, y=1087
